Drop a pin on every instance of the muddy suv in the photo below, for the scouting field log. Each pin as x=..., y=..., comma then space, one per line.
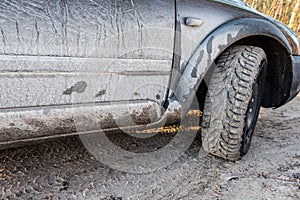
x=73, y=67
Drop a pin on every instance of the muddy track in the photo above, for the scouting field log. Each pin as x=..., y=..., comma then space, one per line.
x=63, y=169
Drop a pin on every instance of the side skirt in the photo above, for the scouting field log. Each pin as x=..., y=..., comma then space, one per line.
x=18, y=126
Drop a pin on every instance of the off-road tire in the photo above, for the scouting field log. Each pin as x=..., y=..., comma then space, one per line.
x=236, y=83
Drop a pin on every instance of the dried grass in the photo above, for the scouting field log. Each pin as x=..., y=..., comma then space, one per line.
x=286, y=11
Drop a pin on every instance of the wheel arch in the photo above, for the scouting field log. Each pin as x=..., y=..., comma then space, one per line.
x=245, y=31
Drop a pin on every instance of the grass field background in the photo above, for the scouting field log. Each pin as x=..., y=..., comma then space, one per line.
x=286, y=11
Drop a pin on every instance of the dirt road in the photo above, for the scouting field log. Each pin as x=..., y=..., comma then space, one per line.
x=63, y=169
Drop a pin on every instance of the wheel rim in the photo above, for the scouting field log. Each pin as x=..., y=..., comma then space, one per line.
x=251, y=119
x=252, y=112
x=252, y=108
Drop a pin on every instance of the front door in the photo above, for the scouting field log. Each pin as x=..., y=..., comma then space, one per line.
x=60, y=52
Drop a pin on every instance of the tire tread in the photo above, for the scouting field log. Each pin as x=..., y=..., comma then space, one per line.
x=229, y=92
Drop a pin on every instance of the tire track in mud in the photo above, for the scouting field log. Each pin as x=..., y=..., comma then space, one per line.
x=65, y=169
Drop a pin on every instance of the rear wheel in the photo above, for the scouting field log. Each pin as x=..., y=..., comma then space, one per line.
x=233, y=101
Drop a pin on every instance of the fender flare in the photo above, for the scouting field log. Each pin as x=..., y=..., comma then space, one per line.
x=210, y=49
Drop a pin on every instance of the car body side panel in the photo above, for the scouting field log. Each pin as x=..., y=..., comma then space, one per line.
x=81, y=51
x=213, y=14
x=188, y=38
x=191, y=37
